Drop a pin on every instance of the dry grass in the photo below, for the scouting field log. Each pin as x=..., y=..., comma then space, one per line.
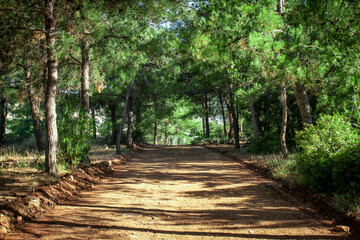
x=21, y=172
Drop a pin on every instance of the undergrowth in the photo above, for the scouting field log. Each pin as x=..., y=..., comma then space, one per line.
x=285, y=169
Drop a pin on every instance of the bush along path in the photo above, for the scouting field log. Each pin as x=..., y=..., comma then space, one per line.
x=301, y=196
x=180, y=192
x=44, y=198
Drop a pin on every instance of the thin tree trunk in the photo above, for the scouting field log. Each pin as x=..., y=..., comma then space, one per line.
x=241, y=126
x=118, y=139
x=131, y=116
x=109, y=140
x=255, y=121
x=156, y=132
x=206, y=111
x=284, y=120
x=34, y=109
x=235, y=122
x=203, y=124
x=50, y=96
x=236, y=129
x=303, y=103
x=231, y=121
x=114, y=129
x=3, y=113
x=94, y=122
x=166, y=133
x=85, y=70
x=223, y=114
x=280, y=6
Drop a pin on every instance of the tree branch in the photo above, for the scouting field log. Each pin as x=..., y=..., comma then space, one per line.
x=22, y=28
x=75, y=59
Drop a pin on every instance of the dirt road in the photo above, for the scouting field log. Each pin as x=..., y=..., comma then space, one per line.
x=179, y=193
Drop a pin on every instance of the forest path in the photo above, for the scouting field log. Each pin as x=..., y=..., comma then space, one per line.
x=178, y=193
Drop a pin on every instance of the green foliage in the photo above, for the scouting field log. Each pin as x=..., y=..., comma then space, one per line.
x=20, y=125
x=345, y=203
x=285, y=169
x=328, y=154
x=74, y=136
x=345, y=166
x=268, y=143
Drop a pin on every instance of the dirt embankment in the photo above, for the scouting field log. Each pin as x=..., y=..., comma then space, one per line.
x=306, y=200
x=24, y=208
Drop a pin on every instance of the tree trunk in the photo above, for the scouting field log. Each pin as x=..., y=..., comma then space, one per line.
x=118, y=139
x=3, y=113
x=255, y=121
x=114, y=129
x=231, y=106
x=303, y=103
x=231, y=121
x=94, y=122
x=230, y=103
x=203, y=124
x=284, y=120
x=131, y=120
x=33, y=107
x=280, y=6
x=50, y=93
x=109, y=140
x=85, y=70
x=206, y=111
x=223, y=114
x=241, y=126
x=166, y=133
x=156, y=132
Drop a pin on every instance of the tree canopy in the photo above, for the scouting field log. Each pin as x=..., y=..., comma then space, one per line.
x=175, y=72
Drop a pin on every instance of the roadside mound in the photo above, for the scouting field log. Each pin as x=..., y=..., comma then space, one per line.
x=41, y=199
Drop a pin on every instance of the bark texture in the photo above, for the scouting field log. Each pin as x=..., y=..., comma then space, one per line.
x=203, y=126
x=303, y=103
x=241, y=125
x=166, y=133
x=114, y=130
x=3, y=114
x=284, y=121
x=123, y=117
x=85, y=70
x=156, y=132
x=223, y=114
x=230, y=132
x=50, y=92
x=206, y=116
x=131, y=121
x=255, y=121
x=236, y=123
x=33, y=107
x=231, y=106
x=94, y=122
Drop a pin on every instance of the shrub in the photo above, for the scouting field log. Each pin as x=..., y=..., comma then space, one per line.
x=346, y=170
x=74, y=137
x=321, y=148
x=266, y=144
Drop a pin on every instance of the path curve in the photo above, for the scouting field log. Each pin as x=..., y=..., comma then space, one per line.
x=183, y=192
